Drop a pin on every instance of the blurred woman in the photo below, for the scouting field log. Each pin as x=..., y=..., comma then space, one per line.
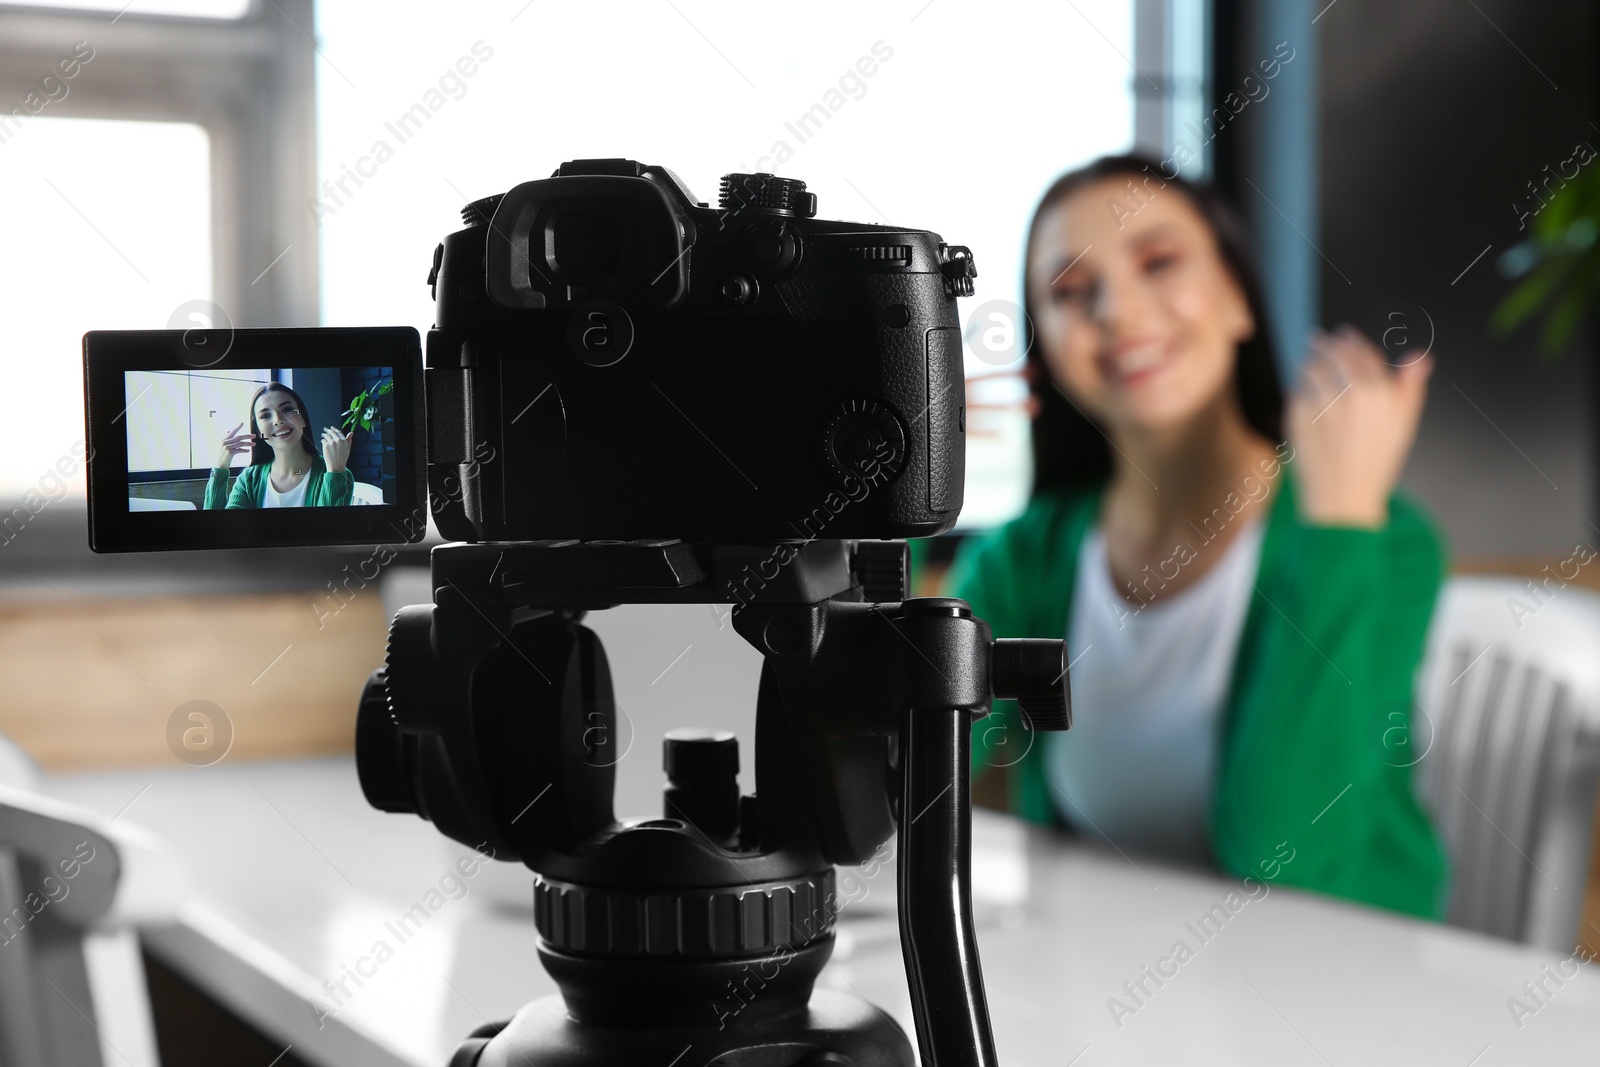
x=1245, y=598
x=286, y=469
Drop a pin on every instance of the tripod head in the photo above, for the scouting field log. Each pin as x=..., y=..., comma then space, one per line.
x=492, y=719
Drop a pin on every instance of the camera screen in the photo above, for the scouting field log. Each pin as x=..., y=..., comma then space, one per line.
x=281, y=437
x=254, y=438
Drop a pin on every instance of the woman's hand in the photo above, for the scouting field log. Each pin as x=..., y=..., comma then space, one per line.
x=233, y=443
x=336, y=448
x=1351, y=422
x=983, y=383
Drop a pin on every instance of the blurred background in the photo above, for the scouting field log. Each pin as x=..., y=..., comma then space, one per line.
x=1419, y=167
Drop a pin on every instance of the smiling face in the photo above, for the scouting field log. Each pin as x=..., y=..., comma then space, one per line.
x=1138, y=316
x=278, y=420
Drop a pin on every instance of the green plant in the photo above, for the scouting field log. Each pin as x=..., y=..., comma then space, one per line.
x=1559, y=264
x=363, y=409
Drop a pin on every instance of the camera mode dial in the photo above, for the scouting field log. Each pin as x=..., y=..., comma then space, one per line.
x=766, y=192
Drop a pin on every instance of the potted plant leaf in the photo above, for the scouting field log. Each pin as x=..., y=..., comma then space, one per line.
x=369, y=407
x=1558, y=264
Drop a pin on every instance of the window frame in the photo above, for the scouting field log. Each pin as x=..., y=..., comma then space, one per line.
x=250, y=83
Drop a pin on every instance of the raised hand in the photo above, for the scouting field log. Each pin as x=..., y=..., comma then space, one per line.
x=336, y=448
x=1351, y=421
x=233, y=443
x=983, y=382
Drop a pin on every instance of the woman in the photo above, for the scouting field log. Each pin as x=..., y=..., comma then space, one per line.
x=1244, y=613
x=285, y=470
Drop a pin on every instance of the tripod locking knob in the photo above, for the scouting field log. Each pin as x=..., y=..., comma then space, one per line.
x=1033, y=672
x=384, y=755
x=703, y=780
x=882, y=569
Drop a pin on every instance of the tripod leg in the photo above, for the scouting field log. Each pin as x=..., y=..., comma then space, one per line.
x=935, y=887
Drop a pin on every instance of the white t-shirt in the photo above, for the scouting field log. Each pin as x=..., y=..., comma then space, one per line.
x=1148, y=685
x=294, y=498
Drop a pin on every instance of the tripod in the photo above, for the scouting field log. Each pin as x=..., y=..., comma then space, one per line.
x=493, y=718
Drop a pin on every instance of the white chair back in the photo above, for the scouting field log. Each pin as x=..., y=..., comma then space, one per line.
x=72, y=888
x=1509, y=695
x=366, y=493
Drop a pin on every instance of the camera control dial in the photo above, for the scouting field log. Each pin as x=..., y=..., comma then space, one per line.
x=766, y=192
x=863, y=439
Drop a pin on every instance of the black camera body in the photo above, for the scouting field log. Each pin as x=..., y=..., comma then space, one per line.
x=614, y=360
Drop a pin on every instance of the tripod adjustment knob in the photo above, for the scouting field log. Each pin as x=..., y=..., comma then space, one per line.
x=703, y=779
x=1033, y=672
x=714, y=922
x=882, y=569
x=383, y=751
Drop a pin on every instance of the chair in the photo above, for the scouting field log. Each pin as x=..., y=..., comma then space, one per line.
x=366, y=493
x=1509, y=701
x=72, y=886
x=17, y=769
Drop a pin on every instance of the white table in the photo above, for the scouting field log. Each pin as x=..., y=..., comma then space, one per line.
x=294, y=879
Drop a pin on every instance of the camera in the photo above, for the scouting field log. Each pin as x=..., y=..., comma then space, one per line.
x=612, y=360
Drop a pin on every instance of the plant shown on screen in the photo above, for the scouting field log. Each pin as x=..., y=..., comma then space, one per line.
x=364, y=410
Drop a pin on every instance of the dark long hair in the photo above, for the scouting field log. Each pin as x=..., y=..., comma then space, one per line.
x=1069, y=450
x=260, y=451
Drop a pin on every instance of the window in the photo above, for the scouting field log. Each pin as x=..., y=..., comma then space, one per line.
x=965, y=117
x=246, y=160
x=80, y=192
x=213, y=9
x=147, y=168
x=175, y=418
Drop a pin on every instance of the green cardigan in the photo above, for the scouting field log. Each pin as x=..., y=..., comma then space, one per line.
x=1330, y=646
x=324, y=488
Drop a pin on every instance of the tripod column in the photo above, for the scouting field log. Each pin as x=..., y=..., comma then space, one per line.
x=935, y=887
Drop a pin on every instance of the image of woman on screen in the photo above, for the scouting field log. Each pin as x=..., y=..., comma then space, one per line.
x=287, y=470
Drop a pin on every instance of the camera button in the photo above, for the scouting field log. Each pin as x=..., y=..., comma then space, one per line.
x=736, y=290
x=767, y=248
